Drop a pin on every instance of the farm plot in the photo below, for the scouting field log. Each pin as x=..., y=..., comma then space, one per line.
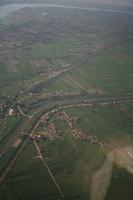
x=107, y=121
x=29, y=179
x=105, y=73
x=76, y=165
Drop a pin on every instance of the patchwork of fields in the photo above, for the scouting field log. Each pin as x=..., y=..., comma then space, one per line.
x=68, y=136
x=75, y=163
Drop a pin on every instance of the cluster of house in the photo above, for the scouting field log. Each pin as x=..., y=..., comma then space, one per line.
x=64, y=116
x=62, y=93
x=48, y=133
x=93, y=139
x=35, y=137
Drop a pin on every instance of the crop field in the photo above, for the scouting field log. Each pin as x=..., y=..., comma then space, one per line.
x=30, y=175
x=103, y=121
x=67, y=75
x=99, y=63
x=104, y=74
x=8, y=124
x=75, y=163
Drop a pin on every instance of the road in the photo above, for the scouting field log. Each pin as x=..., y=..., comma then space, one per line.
x=47, y=105
x=11, y=163
x=49, y=171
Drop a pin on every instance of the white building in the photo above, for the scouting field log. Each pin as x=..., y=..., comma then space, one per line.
x=11, y=112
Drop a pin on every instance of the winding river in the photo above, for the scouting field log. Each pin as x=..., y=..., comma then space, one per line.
x=9, y=8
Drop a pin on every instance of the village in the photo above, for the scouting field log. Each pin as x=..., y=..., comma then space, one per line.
x=49, y=132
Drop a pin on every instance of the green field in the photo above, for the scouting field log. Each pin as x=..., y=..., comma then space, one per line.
x=105, y=74
x=66, y=51
x=75, y=163
x=102, y=62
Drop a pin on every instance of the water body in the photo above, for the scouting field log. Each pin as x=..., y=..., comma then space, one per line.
x=5, y=10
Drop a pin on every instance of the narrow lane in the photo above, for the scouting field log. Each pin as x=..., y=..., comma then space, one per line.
x=48, y=106
x=49, y=171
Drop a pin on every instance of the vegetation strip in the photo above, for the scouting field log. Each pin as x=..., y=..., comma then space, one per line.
x=50, y=173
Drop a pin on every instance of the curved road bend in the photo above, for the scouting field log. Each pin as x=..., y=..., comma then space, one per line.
x=48, y=105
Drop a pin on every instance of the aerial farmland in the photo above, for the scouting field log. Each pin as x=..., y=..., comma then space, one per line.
x=66, y=101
